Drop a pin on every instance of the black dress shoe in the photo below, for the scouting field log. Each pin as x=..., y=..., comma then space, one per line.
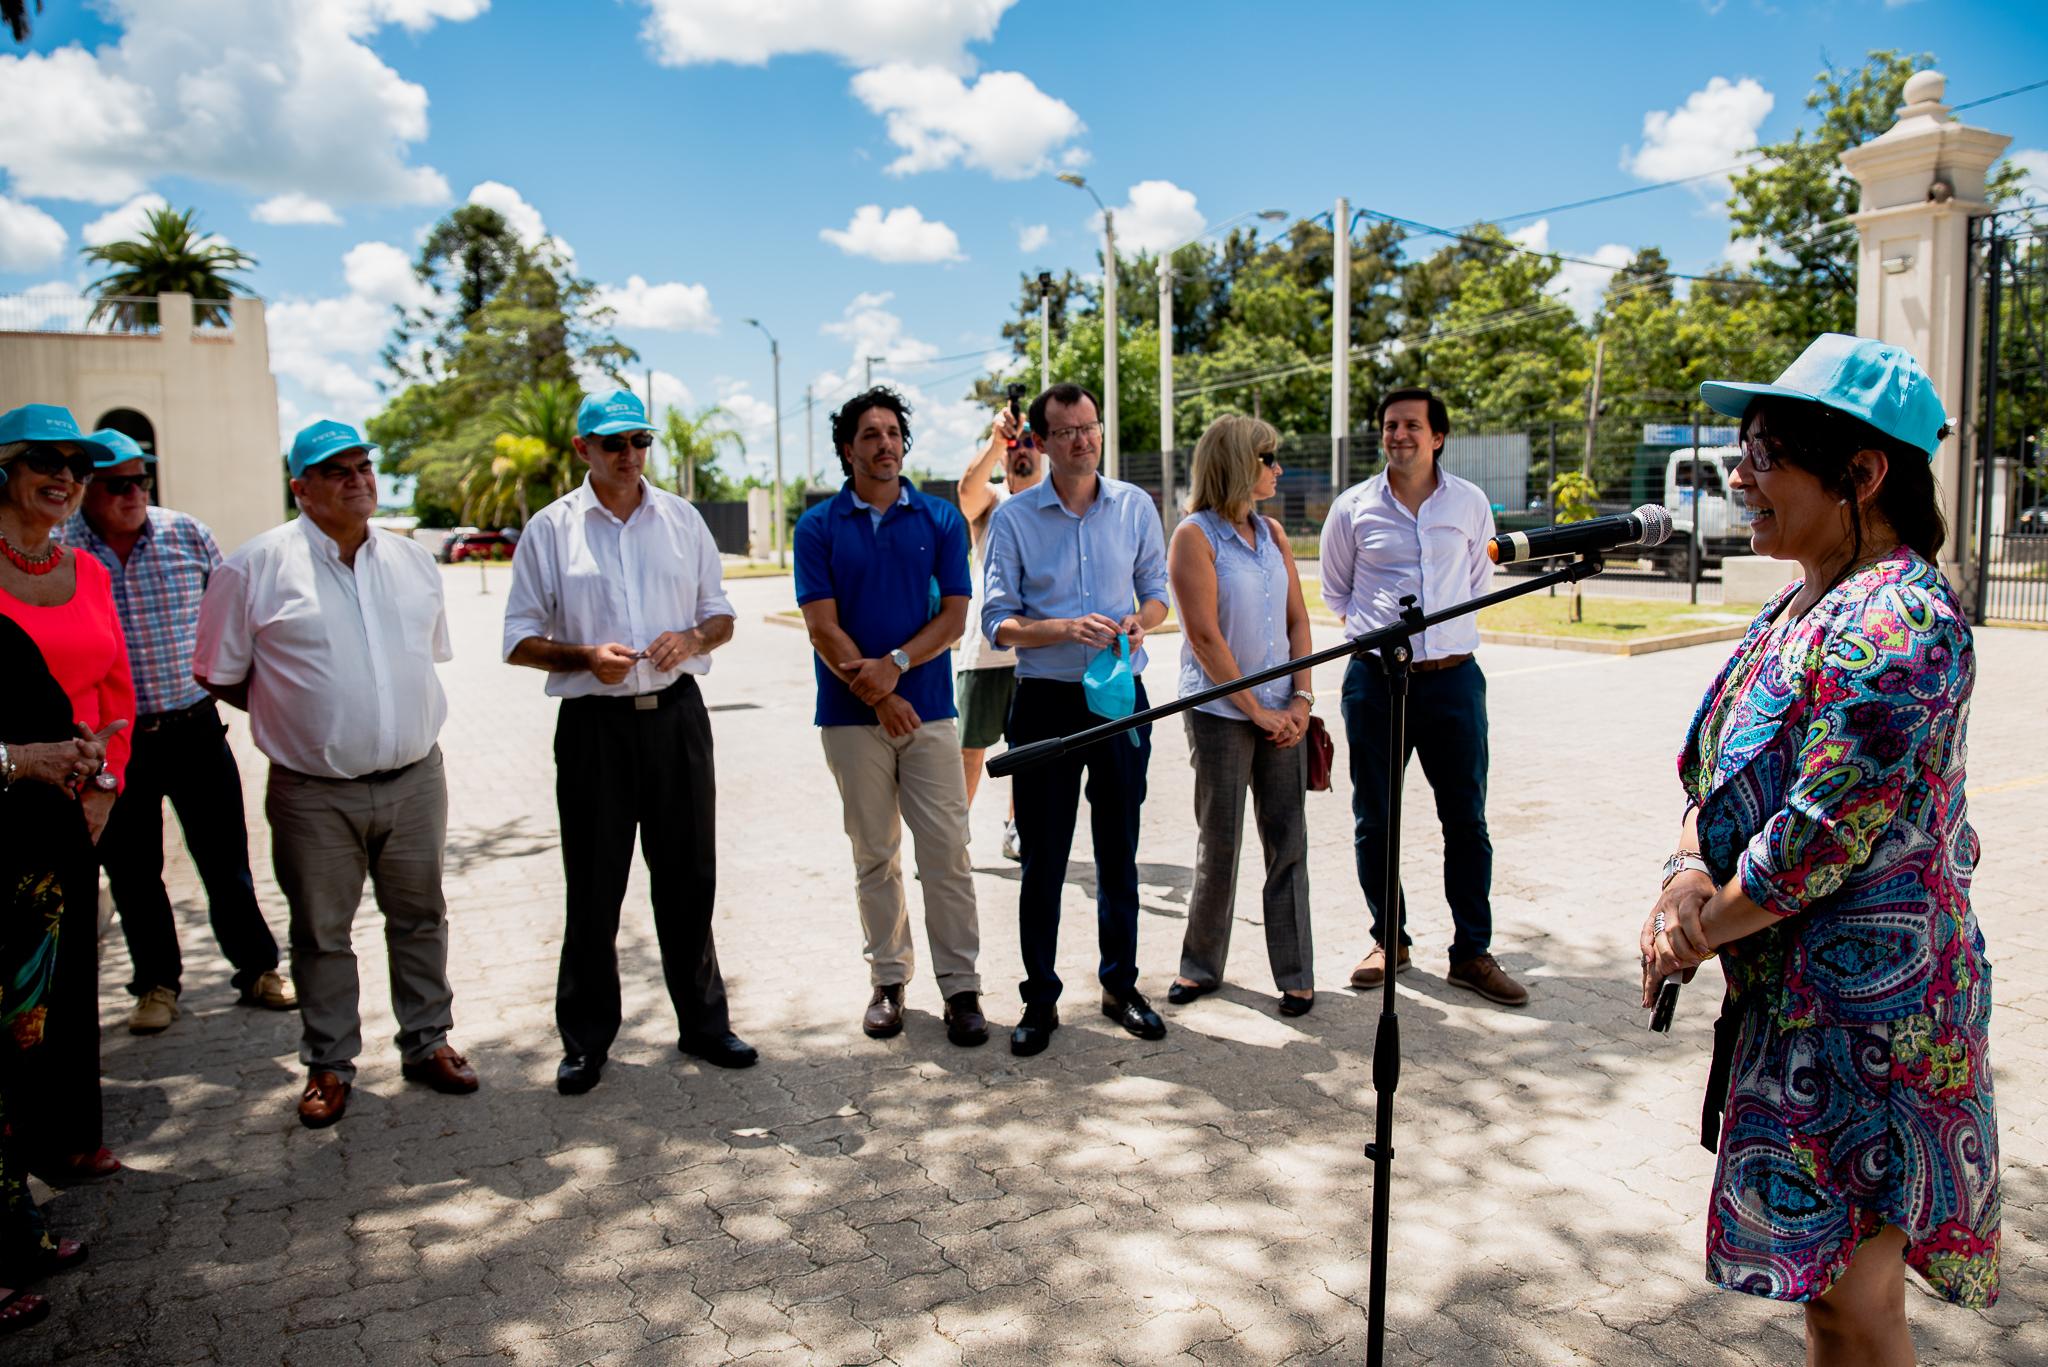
x=1134, y=1014
x=1180, y=994
x=578, y=1073
x=722, y=1051
x=965, y=1025
x=1034, y=1031
x=1291, y=1005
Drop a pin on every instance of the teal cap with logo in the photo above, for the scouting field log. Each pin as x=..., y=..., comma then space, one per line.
x=1880, y=383
x=619, y=411
x=323, y=440
x=121, y=448
x=48, y=422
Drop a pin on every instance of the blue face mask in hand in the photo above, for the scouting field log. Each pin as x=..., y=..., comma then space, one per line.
x=1109, y=685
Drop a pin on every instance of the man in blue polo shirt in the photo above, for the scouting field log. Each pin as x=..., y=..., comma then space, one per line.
x=881, y=576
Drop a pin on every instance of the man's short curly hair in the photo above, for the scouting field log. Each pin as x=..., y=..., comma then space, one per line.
x=846, y=422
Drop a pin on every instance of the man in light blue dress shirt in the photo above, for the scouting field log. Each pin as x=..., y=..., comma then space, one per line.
x=1072, y=564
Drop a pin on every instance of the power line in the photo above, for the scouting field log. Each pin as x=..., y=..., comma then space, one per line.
x=1431, y=229
x=2001, y=95
x=1751, y=160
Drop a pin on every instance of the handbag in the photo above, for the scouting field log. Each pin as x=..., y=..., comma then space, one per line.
x=1321, y=755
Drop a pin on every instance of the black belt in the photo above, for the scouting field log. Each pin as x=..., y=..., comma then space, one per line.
x=157, y=721
x=684, y=687
x=1420, y=666
x=380, y=776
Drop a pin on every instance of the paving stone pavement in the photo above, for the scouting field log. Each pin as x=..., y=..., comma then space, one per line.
x=1198, y=1199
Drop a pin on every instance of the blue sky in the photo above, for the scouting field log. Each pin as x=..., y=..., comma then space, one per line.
x=708, y=164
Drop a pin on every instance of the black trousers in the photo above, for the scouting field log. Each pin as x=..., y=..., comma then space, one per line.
x=184, y=756
x=622, y=769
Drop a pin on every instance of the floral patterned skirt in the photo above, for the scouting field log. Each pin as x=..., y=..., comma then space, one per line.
x=1830, y=1133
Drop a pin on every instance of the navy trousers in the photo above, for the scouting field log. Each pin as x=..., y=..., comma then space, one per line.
x=1048, y=798
x=1447, y=729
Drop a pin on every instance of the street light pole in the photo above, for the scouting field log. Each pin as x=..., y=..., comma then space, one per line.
x=1044, y=331
x=810, y=460
x=1110, y=444
x=775, y=360
x=1340, y=349
x=870, y=377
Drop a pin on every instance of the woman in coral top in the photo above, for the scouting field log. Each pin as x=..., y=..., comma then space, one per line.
x=65, y=605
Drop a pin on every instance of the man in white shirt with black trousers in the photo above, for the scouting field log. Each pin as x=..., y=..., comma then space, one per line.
x=1416, y=529
x=617, y=593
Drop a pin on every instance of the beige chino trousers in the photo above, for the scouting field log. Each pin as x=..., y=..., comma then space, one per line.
x=886, y=783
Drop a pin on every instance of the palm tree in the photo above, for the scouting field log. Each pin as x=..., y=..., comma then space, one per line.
x=545, y=411
x=14, y=13
x=168, y=257
x=693, y=442
x=498, y=478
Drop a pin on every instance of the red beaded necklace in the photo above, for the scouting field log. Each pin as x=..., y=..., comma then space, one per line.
x=33, y=564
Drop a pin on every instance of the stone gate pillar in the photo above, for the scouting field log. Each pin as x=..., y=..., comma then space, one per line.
x=1922, y=182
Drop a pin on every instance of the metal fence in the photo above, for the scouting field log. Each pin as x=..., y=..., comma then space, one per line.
x=60, y=310
x=2009, y=384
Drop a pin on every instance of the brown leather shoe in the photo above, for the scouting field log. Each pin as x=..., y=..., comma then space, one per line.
x=1372, y=969
x=884, y=1016
x=324, y=1100
x=1484, y=976
x=444, y=1070
x=965, y=1025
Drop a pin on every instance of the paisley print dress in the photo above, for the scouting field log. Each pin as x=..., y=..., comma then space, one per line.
x=1827, y=765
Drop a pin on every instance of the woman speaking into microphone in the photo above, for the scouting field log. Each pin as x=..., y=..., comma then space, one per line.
x=1825, y=856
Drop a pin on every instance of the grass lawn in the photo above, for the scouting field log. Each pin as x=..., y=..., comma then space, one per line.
x=755, y=569
x=1610, y=619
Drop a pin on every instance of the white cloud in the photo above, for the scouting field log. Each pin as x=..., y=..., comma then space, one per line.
x=270, y=98
x=29, y=238
x=295, y=208
x=1033, y=236
x=522, y=218
x=1157, y=215
x=899, y=236
x=670, y=307
x=1578, y=284
x=1002, y=123
x=946, y=428
x=1712, y=129
x=128, y=221
x=860, y=32
x=874, y=331
x=328, y=347
x=2033, y=164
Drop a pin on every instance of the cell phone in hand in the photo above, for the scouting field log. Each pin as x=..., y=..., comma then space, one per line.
x=1667, y=1002
x=1016, y=392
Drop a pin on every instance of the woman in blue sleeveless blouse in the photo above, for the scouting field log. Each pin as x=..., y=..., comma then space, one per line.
x=1241, y=610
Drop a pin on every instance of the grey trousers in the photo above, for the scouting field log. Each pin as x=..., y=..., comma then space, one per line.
x=325, y=835
x=918, y=778
x=1228, y=757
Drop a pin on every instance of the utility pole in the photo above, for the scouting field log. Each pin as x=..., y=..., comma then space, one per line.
x=1044, y=331
x=1593, y=406
x=1340, y=349
x=870, y=378
x=1166, y=391
x=810, y=426
x=777, y=517
x=1110, y=445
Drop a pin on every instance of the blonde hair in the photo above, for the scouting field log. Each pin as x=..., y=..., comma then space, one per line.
x=1225, y=469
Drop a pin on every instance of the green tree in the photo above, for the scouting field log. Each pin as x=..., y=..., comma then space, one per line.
x=500, y=477
x=14, y=13
x=464, y=262
x=1503, y=351
x=169, y=256
x=693, y=441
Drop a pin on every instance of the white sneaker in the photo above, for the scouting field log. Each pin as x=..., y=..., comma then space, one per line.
x=154, y=1011
x=1011, y=849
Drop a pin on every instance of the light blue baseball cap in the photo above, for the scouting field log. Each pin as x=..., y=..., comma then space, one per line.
x=121, y=448
x=1868, y=379
x=619, y=411
x=323, y=440
x=48, y=422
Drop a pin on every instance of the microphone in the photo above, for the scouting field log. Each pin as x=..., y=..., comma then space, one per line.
x=1648, y=525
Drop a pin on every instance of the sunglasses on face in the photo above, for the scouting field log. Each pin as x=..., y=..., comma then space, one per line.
x=121, y=485
x=1758, y=454
x=48, y=460
x=619, y=441
x=1269, y=459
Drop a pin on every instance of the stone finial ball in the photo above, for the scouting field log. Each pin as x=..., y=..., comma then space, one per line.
x=1925, y=87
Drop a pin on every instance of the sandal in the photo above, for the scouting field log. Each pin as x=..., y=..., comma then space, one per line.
x=20, y=1309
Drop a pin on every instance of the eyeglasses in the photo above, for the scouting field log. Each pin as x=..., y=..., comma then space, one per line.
x=46, y=459
x=1076, y=432
x=121, y=485
x=1269, y=459
x=618, y=441
x=1758, y=454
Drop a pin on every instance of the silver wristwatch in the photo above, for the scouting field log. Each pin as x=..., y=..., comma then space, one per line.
x=1304, y=695
x=901, y=658
x=1681, y=862
x=104, y=780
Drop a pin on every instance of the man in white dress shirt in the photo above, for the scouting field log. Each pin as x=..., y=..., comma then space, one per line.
x=327, y=632
x=617, y=593
x=1417, y=530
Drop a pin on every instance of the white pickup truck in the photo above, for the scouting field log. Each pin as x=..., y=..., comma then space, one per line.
x=1697, y=493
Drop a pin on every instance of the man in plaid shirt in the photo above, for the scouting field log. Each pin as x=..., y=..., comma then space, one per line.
x=160, y=561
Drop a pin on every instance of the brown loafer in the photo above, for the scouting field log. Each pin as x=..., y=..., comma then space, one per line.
x=324, y=1100
x=965, y=1025
x=1484, y=976
x=884, y=1016
x=1372, y=969
x=444, y=1070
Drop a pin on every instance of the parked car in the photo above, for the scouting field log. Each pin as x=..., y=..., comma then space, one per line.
x=479, y=546
x=450, y=537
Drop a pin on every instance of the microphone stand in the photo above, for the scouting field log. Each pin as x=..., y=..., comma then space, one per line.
x=1393, y=644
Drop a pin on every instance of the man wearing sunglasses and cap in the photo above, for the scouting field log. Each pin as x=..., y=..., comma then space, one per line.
x=160, y=561
x=327, y=632
x=618, y=595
